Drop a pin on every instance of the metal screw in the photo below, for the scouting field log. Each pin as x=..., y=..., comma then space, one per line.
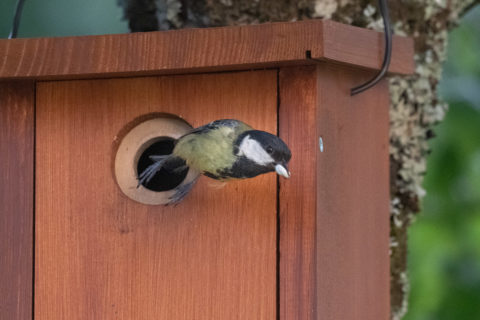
x=320, y=143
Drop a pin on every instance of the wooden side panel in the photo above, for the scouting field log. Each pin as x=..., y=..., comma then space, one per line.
x=16, y=199
x=100, y=255
x=353, y=263
x=338, y=241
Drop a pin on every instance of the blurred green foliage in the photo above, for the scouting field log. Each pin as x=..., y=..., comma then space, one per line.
x=444, y=242
x=444, y=257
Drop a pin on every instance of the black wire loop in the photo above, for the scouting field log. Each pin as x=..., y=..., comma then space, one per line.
x=16, y=19
x=387, y=54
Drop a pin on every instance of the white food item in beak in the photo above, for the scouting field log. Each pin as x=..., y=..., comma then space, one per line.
x=282, y=171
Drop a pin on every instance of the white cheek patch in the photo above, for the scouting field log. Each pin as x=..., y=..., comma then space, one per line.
x=254, y=151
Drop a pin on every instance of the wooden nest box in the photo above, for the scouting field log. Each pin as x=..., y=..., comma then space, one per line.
x=315, y=246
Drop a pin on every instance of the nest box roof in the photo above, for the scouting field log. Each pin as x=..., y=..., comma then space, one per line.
x=200, y=50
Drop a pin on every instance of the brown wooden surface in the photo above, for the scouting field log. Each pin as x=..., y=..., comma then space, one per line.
x=100, y=255
x=199, y=50
x=356, y=46
x=16, y=199
x=297, y=195
x=337, y=242
x=353, y=263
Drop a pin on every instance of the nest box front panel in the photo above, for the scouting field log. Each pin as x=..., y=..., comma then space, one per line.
x=101, y=255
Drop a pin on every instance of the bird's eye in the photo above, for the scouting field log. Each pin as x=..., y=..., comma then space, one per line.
x=269, y=150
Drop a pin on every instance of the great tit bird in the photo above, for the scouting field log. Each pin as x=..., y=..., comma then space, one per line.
x=223, y=150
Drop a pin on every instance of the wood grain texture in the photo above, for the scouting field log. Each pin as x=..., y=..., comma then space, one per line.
x=100, y=255
x=16, y=199
x=334, y=248
x=355, y=46
x=353, y=262
x=199, y=50
x=297, y=127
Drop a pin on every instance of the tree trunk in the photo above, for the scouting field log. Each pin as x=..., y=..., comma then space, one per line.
x=415, y=105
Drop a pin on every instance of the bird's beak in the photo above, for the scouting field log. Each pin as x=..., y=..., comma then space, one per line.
x=282, y=170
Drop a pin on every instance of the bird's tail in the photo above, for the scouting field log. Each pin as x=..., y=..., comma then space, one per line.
x=152, y=169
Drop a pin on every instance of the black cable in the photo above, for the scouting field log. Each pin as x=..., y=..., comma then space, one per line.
x=16, y=19
x=388, y=51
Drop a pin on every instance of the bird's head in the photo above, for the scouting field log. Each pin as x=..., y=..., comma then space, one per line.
x=265, y=150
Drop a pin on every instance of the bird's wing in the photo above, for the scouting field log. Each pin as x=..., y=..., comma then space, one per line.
x=181, y=191
x=167, y=162
x=209, y=148
x=152, y=170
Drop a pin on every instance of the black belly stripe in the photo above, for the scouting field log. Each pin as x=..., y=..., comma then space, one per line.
x=243, y=168
x=210, y=175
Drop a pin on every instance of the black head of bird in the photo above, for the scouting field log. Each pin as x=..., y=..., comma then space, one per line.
x=223, y=150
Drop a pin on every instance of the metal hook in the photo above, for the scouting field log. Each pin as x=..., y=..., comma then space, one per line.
x=388, y=51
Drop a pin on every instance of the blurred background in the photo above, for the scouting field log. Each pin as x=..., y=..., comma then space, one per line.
x=55, y=18
x=444, y=242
